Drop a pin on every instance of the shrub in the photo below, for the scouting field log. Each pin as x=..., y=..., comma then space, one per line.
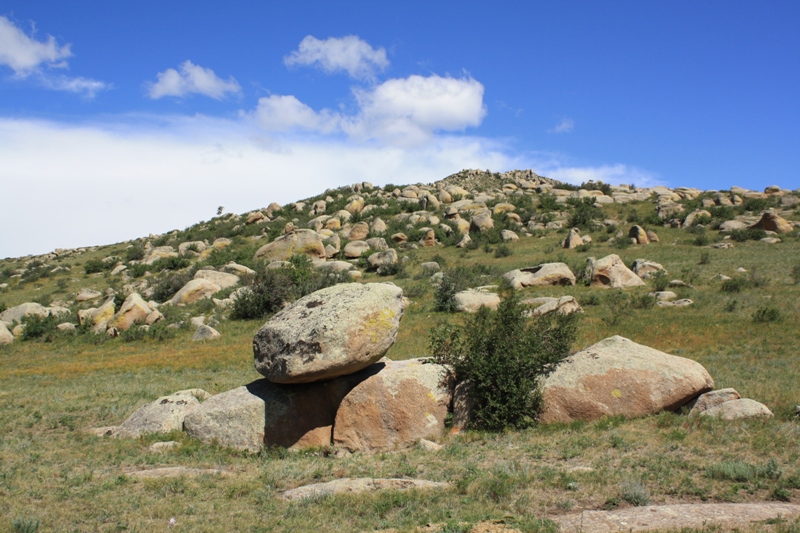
x=397, y=269
x=458, y=279
x=767, y=314
x=170, y=263
x=502, y=251
x=590, y=300
x=635, y=493
x=39, y=328
x=701, y=240
x=93, y=266
x=743, y=472
x=548, y=202
x=742, y=235
x=619, y=304
x=169, y=285
x=796, y=274
x=645, y=301
x=503, y=355
x=660, y=280
x=134, y=253
x=584, y=214
x=705, y=257
x=736, y=284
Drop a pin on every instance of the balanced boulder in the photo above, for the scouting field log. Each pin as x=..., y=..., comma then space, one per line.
x=544, y=274
x=617, y=376
x=773, y=222
x=332, y=332
x=611, y=272
x=395, y=407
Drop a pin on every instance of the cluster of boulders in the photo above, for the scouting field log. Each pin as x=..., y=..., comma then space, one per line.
x=327, y=382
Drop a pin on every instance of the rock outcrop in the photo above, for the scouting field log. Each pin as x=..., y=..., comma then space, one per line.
x=617, y=376
x=298, y=242
x=163, y=415
x=611, y=272
x=544, y=274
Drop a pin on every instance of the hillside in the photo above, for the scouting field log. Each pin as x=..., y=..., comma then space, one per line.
x=110, y=328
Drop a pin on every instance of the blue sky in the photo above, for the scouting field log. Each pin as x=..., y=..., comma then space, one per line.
x=118, y=119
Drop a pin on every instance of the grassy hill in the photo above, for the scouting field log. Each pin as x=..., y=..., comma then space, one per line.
x=745, y=332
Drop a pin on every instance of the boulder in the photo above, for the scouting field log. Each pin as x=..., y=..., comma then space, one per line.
x=298, y=242
x=5, y=336
x=134, y=309
x=544, y=305
x=508, y=236
x=354, y=249
x=359, y=486
x=691, y=217
x=738, y=409
x=205, y=333
x=159, y=252
x=652, y=236
x=385, y=258
x=239, y=270
x=402, y=402
x=573, y=240
x=773, y=222
x=99, y=317
x=617, y=376
x=611, y=272
x=332, y=332
x=378, y=244
x=639, y=235
x=198, y=246
x=470, y=300
x=87, y=294
x=359, y=231
x=16, y=313
x=465, y=240
x=378, y=226
x=731, y=225
x=481, y=221
x=429, y=239
x=544, y=274
x=163, y=415
x=711, y=399
x=644, y=268
x=677, y=303
x=64, y=326
x=266, y=413
x=222, y=279
x=356, y=205
x=194, y=291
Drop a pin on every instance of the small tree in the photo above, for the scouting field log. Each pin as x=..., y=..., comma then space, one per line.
x=504, y=355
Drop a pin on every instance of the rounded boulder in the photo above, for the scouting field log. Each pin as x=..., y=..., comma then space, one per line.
x=333, y=332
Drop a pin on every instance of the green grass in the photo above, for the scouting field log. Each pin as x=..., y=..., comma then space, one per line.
x=54, y=474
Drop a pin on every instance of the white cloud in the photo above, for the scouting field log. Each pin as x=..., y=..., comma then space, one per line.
x=566, y=125
x=191, y=79
x=349, y=54
x=401, y=112
x=25, y=54
x=613, y=174
x=30, y=58
x=95, y=184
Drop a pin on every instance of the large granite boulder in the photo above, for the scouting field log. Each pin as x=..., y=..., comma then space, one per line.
x=544, y=274
x=16, y=313
x=332, y=332
x=402, y=402
x=617, y=376
x=134, y=309
x=638, y=235
x=773, y=222
x=644, y=268
x=470, y=300
x=354, y=249
x=298, y=242
x=163, y=415
x=265, y=413
x=544, y=305
x=222, y=279
x=5, y=336
x=194, y=291
x=611, y=272
x=573, y=240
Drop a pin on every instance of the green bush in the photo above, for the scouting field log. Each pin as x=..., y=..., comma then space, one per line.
x=743, y=472
x=742, y=235
x=660, y=280
x=168, y=285
x=548, y=202
x=458, y=279
x=93, y=266
x=767, y=314
x=170, y=263
x=39, y=328
x=736, y=284
x=584, y=214
x=134, y=253
x=503, y=355
x=502, y=251
x=796, y=274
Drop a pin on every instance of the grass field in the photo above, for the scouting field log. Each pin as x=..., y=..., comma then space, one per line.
x=53, y=473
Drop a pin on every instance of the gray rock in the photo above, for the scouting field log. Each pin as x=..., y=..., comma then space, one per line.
x=161, y=416
x=738, y=409
x=611, y=272
x=221, y=279
x=712, y=399
x=87, y=294
x=205, y=333
x=354, y=249
x=381, y=259
x=470, y=300
x=16, y=313
x=359, y=486
x=158, y=447
x=5, y=336
x=544, y=274
x=332, y=332
x=644, y=268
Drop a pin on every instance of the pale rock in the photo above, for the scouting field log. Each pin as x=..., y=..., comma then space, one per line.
x=544, y=274
x=731, y=225
x=611, y=272
x=772, y=222
x=377, y=243
x=380, y=259
x=183, y=247
x=85, y=295
x=354, y=249
x=465, y=240
x=663, y=296
x=644, y=268
x=359, y=231
x=738, y=409
x=6, y=337
x=222, y=279
x=360, y=486
x=332, y=332
x=573, y=239
x=16, y=313
x=134, y=309
x=164, y=415
x=239, y=270
x=712, y=399
x=205, y=333
x=639, y=235
x=153, y=317
x=395, y=407
x=160, y=447
x=564, y=305
x=64, y=326
x=194, y=291
x=470, y=300
x=299, y=242
x=676, y=303
x=482, y=222
x=509, y=236
x=617, y=376
x=691, y=217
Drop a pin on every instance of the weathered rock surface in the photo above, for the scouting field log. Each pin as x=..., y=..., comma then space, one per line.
x=644, y=268
x=175, y=471
x=611, y=272
x=298, y=242
x=544, y=305
x=471, y=300
x=87, y=294
x=16, y=313
x=134, y=309
x=355, y=249
x=694, y=516
x=639, y=235
x=222, y=279
x=712, y=399
x=617, y=376
x=773, y=222
x=194, y=291
x=332, y=332
x=544, y=274
x=401, y=403
x=359, y=486
x=161, y=416
x=380, y=259
x=737, y=409
x=573, y=240
x=265, y=413
x=205, y=333
x=5, y=336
